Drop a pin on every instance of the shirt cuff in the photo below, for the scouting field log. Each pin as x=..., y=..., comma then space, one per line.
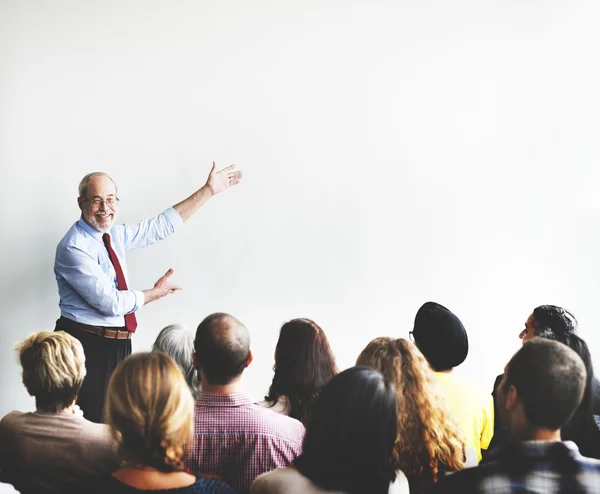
x=139, y=300
x=173, y=217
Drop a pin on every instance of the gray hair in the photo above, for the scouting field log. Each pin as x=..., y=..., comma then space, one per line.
x=83, y=185
x=178, y=343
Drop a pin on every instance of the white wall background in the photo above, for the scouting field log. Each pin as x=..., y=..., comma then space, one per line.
x=395, y=152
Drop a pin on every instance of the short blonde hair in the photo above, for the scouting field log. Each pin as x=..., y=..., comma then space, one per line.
x=83, y=185
x=150, y=410
x=53, y=368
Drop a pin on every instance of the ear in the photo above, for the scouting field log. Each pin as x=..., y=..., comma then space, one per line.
x=250, y=358
x=80, y=203
x=512, y=397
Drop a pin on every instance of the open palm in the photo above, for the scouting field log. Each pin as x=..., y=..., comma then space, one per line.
x=218, y=181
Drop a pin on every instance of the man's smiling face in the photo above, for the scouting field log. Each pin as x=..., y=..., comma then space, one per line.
x=100, y=204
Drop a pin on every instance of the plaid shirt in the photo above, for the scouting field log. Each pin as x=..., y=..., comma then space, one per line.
x=236, y=440
x=530, y=467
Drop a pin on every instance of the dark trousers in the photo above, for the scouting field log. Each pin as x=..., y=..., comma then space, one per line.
x=102, y=355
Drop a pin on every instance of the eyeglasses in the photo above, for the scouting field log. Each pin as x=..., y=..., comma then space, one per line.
x=110, y=202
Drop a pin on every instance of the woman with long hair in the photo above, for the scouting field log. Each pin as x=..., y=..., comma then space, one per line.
x=427, y=442
x=149, y=408
x=348, y=443
x=304, y=363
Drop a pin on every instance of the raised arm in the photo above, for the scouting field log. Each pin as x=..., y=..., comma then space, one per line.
x=217, y=182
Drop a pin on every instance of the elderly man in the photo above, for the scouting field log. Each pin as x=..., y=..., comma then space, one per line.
x=53, y=449
x=541, y=388
x=96, y=304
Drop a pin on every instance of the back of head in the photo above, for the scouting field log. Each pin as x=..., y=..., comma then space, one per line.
x=53, y=368
x=557, y=320
x=178, y=343
x=582, y=428
x=550, y=379
x=441, y=336
x=222, y=348
x=304, y=363
x=150, y=410
x=427, y=437
x=350, y=434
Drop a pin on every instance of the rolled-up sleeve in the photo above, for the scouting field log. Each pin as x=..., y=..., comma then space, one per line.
x=83, y=273
x=151, y=230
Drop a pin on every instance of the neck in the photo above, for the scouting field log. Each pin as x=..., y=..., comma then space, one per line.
x=70, y=409
x=535, y=434
x=222, y=389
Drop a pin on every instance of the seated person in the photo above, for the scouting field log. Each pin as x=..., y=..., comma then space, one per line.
x=428, y=442
x=348, y=444
x=54, y=449
x=178, y=343
x=443, y=340
x=304, y=363
x=556, y=323
x=235, y=439
x=542, y=386
x=149, y=409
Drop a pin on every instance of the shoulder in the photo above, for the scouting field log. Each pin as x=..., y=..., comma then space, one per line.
x=464, y=481
x=11, y=421
x=284, y=427
x=209, y=486
x=400, y=484
x=282, y=480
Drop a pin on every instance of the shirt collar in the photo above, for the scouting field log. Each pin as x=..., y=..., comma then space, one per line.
x=224, y=401
x=89, y=230
x=538, y=449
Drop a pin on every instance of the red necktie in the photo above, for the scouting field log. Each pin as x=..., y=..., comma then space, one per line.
x=130, y=320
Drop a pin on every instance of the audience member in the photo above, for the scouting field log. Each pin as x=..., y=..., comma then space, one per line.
x=541, y=389
x=178, y=343
x=235, y=439
x=443, y=340
x=149, y=408
x=556, y=323
x=54, y=449
x=348, y=444
x=428, y=443
x=304, y=363
x=582, y=428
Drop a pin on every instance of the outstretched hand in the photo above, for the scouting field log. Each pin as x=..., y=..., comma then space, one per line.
x=164, y=285
x=220, y=180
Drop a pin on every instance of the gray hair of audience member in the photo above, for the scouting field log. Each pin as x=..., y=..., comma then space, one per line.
x=178, y=343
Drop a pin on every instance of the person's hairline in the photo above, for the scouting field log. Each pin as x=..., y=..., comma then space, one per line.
x=85, y=181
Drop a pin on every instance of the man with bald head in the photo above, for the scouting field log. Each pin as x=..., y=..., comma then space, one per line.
x=235, y=439
x=97, y=306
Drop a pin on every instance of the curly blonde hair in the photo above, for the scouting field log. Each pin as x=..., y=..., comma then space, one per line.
x=427, y=437
x=149, y=408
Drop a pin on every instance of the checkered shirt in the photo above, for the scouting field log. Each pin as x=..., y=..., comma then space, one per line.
x=236, y=440
x=530, y=467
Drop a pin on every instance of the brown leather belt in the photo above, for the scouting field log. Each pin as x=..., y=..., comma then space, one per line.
x=111, y=333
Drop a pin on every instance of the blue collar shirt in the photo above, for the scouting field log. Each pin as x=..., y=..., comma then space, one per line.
x=87, y=281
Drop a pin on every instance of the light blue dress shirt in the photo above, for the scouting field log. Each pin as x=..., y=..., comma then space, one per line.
x=87, y=281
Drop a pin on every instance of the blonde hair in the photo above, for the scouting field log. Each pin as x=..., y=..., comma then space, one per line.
x=53, y=368
x=83, y=185
x=150, y=409
x=427, y=437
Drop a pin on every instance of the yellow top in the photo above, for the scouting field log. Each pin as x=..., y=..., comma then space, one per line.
x=471, y=408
